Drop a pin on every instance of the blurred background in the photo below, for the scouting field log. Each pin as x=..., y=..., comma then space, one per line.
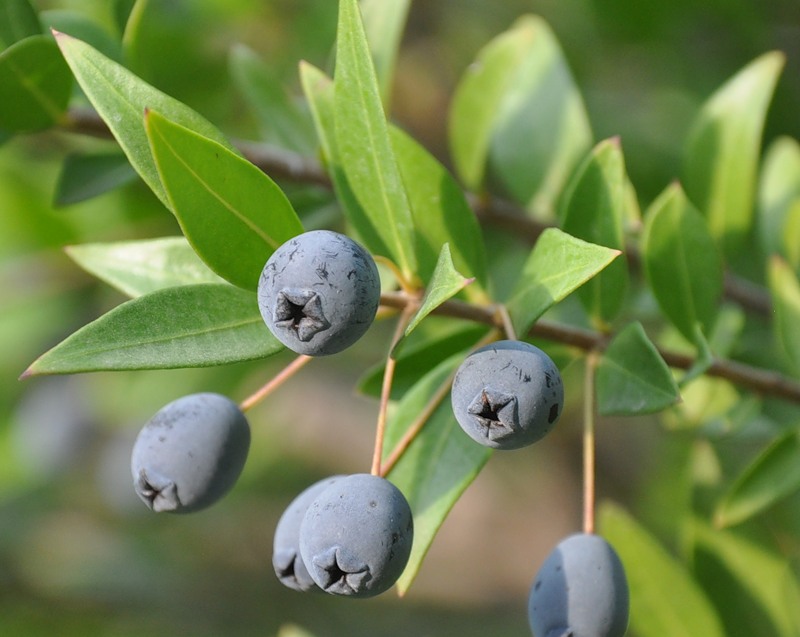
x=80, y=555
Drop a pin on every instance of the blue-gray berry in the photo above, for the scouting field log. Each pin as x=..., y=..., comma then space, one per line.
x=580, y=591
x=286, y=560
x=190, y=453
x=507, y=395
x=319, y=292
x=356, y=536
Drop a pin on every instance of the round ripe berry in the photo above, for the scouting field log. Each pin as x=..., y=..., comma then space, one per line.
x=190, y=453
x=507, y=395
x=286, y=559
x=580, y=591
x=319, y=292
x=356, y=536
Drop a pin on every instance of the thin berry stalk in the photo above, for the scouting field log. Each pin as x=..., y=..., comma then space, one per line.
x=285, y=374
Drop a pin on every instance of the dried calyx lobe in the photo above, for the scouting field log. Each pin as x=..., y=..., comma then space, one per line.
x=507, y=395
x=319, y=292
x=356, y=536
x=190, y=453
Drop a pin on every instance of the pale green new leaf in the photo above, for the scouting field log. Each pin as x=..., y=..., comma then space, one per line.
x=632, y=377
x=363, y=145
x=139, y=267
x=773, y=475
x=721, y=157
x=682, y=262
x=120, y=98
x=665, y=600
x=785, y=289
x=189, y=326
x=778, y=191
x=234, y=216
x=384, y=21
x=594, y=209
x=558, y=265
x=437, y=467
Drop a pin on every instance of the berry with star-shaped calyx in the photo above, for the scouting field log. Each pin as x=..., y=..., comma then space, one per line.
x=507, y=395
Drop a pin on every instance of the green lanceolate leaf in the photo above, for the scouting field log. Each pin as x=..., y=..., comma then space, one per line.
x=682, y=262
x=632, y=378
x=557, y=266
x=437, y=467
x=778, y=192
x=279, y=117
x=785, y=289
x=441, y=212
x=445, y=283
x=318, y=89
x=35, y=85
x=120, y=98
x=84, y=176
x=593, y=209
x=363, y=145
x=234, y=216
x=518, y=115
x=665, y=600
x=722, y=152
x=773, y=475
x=17, y=21
x=753, y=587
x=139, y=267
x=384, y=21
x=189, y=326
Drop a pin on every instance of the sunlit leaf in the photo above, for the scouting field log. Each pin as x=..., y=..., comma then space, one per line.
x=778, y=190
x=723, y=149
x=363, y=145
x=682, y=262
x=35, y=85
x=189, y=326
x=84, y=176
x=437, y=467
x=785, y=289
x=557, y=266
x=594, y=209
x=665, y=600
x=17, y=21
x=120, y=98
x=140, y=267
x=774, y=474
x=234, y=216
x=632, y=378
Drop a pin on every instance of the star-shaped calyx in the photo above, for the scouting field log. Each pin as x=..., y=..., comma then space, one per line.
x=158, y=492
x=495, y=412
x=300, y=310
x=339, y=574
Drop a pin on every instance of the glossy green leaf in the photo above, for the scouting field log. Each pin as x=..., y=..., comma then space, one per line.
x=279, y=116
x=594, y=209
x=753, y=587
x=120, y=98
x=785, y=290
x=445, y=283
x=84, y=176
x=723, y=148
x=437, y=467
x=139, y=267
x=778, y=190
x=189, y=326
x=682, y=262
x=18, y=21
x=665, y=600
x=234, y=216
x=518, y=115
x=557, y=266
x=318, y=89
x=363, y=145
x=632, y=377
x=773, y=475
x=441, y=212
x=35, y=85
x=384, y=21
